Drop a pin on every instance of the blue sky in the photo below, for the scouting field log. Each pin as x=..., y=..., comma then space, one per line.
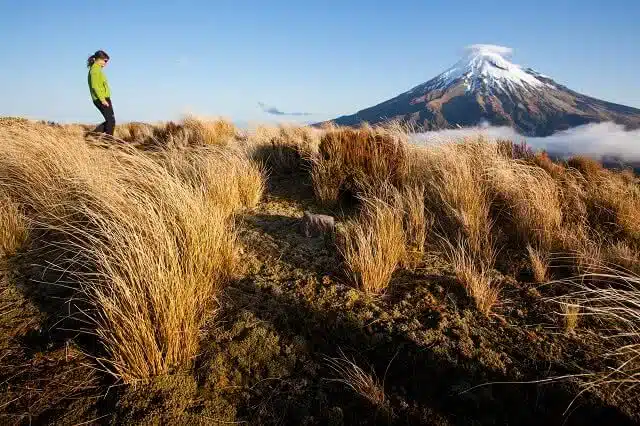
x=324, y=57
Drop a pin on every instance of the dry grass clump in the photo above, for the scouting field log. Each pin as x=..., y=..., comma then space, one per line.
x=611, y=301
x=531, y=201
x=352, y=157
x=514, y=151
x=417, y=223
x=210, y=132
x=353, y=376
x=457, y=196
x=589, y=167
x=474, y=273
x=14, y=228
x=373, y=245
x=571, y=313
x=284, y=149
x=614, y=205
x=134, y=132
x=191, y=132
x=539, y=261
x=228, y=179
x=144, y=250
x=459, y=200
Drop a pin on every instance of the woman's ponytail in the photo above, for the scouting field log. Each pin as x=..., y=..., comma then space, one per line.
x=100, y=54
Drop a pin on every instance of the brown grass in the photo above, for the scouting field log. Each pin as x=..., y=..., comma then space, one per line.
x=362, y=383
x=590, y=168
x=531, y=200
x=615, y=205
x=611, y=300
x=229, y=180
x=210, y=132
x=373, y=245
x=191, y=132
x=349, y=157
x=539, y=264
x=145, y=250
x=457, y=197
x=285, y=149
x=571, y=315
x=14, y=228
x=474, y=274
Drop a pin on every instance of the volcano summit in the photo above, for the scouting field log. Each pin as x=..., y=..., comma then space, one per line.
x=485, y=87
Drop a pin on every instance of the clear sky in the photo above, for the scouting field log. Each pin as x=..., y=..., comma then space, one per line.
x=329, y=57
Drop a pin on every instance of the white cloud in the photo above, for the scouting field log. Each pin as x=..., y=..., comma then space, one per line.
x=595, y=140
x=489, y=48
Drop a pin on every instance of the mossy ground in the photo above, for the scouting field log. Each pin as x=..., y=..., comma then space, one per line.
x=263, y=361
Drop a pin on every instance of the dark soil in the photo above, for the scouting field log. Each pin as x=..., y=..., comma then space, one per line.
x=264, y=360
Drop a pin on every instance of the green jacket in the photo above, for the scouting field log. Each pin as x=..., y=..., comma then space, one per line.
x=98, y=84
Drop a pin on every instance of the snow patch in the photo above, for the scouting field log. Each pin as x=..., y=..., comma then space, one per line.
x=486, y=67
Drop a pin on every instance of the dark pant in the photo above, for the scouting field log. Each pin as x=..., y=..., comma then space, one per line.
x=109, y=118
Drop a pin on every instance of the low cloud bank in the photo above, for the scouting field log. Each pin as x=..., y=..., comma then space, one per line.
x=596, y=140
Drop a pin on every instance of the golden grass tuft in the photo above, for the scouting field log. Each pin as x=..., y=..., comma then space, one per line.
x=229, y=180
x=571, y=314
x=457, y=196
x=539, y=261
x=145, y=250
x=611, y=300
x=615, y=204
x=348, y=157
x=531, y=200
x=14, y=228
x=373, y=245
x=474, y=273
x=353, y=376
x=210, y=132
x=285, y=149
x=590, y=168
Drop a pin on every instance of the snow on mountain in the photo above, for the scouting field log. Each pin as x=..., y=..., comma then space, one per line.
x=485, y=67
x=485, y=86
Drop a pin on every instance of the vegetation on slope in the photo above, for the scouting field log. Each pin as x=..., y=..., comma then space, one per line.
x=169, y=260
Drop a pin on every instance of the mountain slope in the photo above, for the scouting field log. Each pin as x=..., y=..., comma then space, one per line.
x=486, y=87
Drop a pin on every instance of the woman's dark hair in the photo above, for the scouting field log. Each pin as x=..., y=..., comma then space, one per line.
x=100, y=54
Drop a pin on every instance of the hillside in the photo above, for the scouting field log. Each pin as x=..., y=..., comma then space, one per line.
x=485, y=86
x=162, y=278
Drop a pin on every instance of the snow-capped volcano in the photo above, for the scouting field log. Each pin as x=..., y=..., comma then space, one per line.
x=485, y=86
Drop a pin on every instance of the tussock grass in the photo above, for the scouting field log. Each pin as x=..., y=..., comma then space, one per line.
x=531, y=200
x=588, y=167
x=349, y=158
x=612, y=301
x=228, y=179
x=571, y=313
x=474, y=273
x=417, y=223
x=539, y=264
x=191, y=132
x=353, y=376
x=373, y=245
x=14, y=228
x=615, y=205
x=285, y=149
x=144, y=250
x=218, y=132
x=458, y=197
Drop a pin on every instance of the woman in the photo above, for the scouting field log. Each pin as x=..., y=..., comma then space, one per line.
x=99, y=87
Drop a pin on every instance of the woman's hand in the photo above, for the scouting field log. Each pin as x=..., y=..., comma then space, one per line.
x=105, y=103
